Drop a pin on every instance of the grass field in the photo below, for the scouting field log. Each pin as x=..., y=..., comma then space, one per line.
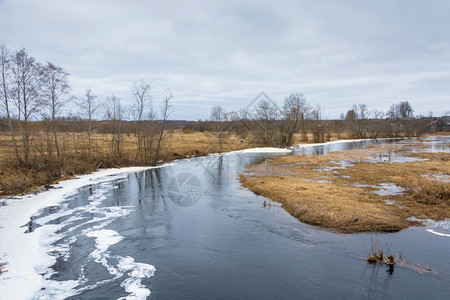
x=16, y=179
x=339, y=190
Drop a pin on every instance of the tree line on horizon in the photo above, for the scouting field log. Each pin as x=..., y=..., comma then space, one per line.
x=272, y=125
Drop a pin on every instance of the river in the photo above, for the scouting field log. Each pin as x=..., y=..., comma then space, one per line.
x=188, y=230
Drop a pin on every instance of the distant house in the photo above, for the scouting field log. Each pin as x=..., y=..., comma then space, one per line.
x=440, y=124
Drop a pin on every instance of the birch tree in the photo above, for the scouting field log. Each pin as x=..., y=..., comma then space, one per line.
x=114, y=114
x=6, y=76
x=26, y=94
x=89, y=106
x=166, y=110
x=218, y=116
x=56, y=88
x=142, y=101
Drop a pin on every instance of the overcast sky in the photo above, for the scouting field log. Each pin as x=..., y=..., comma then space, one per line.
x=337, y=53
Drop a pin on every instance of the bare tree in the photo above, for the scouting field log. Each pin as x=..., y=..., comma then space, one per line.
x=89, y=106
x=56, y=88
x=363, y=111
x=265, y=110
x=393, y=112
x=376, y=124
x=27, y=80
x=114, y=114
x=149, y=133
x=357, y=120
x=377, y=114
x=5, y=93
x=264, y=123
x=166, y=110
x=318, y=128
x=295, y=110
x=406, y=111
x=142, y=99
x=219, y=116
x=401, y=110
x=273, y=126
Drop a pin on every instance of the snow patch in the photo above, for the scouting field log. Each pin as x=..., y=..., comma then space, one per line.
x=388, y=189
x=438, y=233
x=441, y=228
x=138, y=271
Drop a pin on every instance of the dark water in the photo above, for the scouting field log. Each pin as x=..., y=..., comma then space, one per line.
x=209, y=238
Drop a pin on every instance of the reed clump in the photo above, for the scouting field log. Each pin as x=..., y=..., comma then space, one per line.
x=377, y=255
x=426, y=191
x=2, y=268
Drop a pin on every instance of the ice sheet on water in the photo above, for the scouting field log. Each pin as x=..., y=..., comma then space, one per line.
x=441, y=228
x=438, y=233
x=438, y=177
x=104, y=239
x=137, y=271
x=388, y=189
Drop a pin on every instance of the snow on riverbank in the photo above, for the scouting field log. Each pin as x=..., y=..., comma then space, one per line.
x=25, y=257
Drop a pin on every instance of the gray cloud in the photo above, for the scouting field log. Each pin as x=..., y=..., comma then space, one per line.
x=208, y=52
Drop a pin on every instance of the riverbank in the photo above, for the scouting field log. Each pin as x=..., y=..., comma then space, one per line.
x=379, y=188
x=22, y=269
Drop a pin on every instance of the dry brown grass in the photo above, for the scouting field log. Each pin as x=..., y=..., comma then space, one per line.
x=329, y=198
x=181, y=144
x=438, y=133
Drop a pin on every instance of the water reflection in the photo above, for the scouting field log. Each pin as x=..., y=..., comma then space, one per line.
x=228, y=245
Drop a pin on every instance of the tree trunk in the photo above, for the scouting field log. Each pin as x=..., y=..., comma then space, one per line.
x=55, y=136
x=158, y=146
x=12, y=133
x=89, y=137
